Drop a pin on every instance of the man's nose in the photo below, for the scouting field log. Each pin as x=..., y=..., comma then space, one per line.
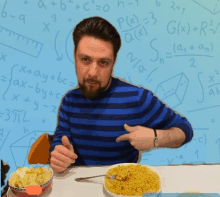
x=93, y=70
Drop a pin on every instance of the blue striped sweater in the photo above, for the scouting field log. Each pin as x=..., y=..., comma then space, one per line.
x=92, y=126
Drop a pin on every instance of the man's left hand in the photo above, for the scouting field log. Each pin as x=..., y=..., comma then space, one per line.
x=141, y=138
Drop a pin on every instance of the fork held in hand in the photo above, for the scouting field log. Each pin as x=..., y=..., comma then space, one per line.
x=110, y=176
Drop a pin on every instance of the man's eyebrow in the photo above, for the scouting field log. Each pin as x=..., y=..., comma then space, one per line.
x=103, y=58
x=83, y=54
x=106, y=58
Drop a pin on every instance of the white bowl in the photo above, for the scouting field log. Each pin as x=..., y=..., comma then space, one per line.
x=22, y=191
x=144, y=195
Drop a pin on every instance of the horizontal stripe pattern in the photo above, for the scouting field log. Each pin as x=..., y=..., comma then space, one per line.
x=92, y=126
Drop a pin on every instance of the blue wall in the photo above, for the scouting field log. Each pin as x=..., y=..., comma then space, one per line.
x=168, y=47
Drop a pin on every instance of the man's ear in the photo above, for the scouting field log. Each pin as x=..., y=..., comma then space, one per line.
x=74, y=53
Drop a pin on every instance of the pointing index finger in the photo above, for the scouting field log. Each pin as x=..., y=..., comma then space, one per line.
x=123, y=138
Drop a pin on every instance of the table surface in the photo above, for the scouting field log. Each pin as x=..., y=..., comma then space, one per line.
x=179, y=178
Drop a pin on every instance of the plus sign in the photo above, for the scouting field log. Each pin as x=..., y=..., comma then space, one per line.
x=51, y=93
x=53, y=3
x=192, y=47
x=29, y=71
x=26, y=100
x=77, y=7
x=195, y=28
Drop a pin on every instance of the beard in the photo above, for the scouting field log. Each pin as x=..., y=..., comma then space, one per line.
x=93, y=91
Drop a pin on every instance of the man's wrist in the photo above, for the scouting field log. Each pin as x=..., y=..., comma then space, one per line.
x=163, y=138
x=170, y=138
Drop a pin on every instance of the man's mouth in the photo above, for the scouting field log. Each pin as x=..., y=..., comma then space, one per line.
x=93, y=83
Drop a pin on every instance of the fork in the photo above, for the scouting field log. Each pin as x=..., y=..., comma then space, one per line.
x=113, y=177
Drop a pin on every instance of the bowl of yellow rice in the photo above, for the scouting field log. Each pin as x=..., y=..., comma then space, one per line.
x=142, y=180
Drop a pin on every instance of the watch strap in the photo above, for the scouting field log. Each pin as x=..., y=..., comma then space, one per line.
x=155, y=132
x=156, y=139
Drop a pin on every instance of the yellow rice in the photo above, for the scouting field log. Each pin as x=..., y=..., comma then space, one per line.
x=141, y=179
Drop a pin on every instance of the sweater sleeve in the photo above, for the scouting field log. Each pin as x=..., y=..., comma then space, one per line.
x=63, y=124
x=160, y=116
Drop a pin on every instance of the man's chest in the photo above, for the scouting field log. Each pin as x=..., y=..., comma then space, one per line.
x=102, y=124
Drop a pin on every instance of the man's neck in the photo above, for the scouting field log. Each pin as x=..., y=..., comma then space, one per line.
x=109, y=84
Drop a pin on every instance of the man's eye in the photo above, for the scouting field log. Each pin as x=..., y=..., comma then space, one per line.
x=85, y=59
x=104, y=63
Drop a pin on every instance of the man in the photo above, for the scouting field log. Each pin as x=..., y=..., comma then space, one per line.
x=93, y=118
x=4, y=185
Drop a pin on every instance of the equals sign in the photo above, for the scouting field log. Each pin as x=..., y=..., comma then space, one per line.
x=3, y=78
x=98, y=7
x=169, y=55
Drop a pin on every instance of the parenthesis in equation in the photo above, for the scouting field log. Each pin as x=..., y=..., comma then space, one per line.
x=202, y=89
x=178, y=28
x=61, y=56
x=136, y=18
x=212, y=46
x=154, y=49
x=145, y=30
x=205, y=138
x=66, y=46
x=9, y=82
x=127, y=20
x=174, y=47
x=136, y=35
x=189, y=29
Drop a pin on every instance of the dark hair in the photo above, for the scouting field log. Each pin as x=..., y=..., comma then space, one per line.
x=99, y=28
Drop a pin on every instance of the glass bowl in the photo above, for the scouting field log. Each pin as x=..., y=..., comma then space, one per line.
x=21, y=192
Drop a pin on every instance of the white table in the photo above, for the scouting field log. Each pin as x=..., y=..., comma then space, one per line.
x=203, y=178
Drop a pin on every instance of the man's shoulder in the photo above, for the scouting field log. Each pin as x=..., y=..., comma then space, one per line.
x=132, y=87
x=70, y=93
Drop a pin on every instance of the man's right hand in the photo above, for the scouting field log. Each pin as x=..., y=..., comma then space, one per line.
x=62, y=156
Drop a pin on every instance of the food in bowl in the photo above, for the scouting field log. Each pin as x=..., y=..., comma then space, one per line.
x=141, y=179
x=24, y=176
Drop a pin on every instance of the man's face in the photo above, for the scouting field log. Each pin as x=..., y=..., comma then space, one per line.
x=94, y=60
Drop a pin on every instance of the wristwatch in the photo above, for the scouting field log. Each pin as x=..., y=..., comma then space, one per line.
x=156, y=139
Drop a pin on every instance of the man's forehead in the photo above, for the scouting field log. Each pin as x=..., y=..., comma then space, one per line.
x=93, y=44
